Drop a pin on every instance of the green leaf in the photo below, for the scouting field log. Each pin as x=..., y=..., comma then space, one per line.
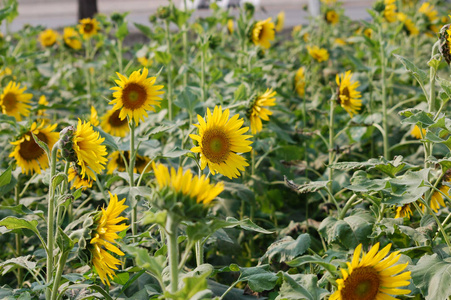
x=420, y=117
x=310, y=187
x=4, y=12
x=361, y=183
x=64, y=242
x=13, y=263
x=391, y=168
x=163, y=57
x=121, y=278
x=420, y=75
x=95, y=287
x=153, y=264
x=408, y=187
x=287, y=248
x=432, y=275
x=5, y=178
x=308, y=259
x=259, y=278
x=154, y=218
x=195, y=286
x=23, y=210
x=122, y=31
x=175, y=152
x=144, y=29
x=108, y=139
x=58, y=178
x=13, y=223
x=240, y=93
x=300, y=286
x=41, y=144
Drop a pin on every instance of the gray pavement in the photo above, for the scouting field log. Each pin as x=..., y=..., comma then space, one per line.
x=60, y=13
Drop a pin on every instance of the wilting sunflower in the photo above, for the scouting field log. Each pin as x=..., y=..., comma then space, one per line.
x=403, y=211
x=135, y=95
x=409, y=26
x=299, y=82
x=14, y=102
x=372, y=277
x=197, y=188
x=104, y=239
x=390, y=11
x=280, y=21
x=230, y=26
x=416, y=132
x=332, y=17
x=220, y=140
x=27, y=153
x=117, y=163
x=263, y=32
x=78, y=181
x=48, y=37
x=319, y=54
x=112, y=124
x=88, y=27
x=91, y=154
x=94, y=117
x=348, y=96
x=437, y=199
x=257, y=111
x=144, y=61
x=429, y=11
x=71, y=38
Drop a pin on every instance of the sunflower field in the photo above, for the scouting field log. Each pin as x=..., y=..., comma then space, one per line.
x=228, y=157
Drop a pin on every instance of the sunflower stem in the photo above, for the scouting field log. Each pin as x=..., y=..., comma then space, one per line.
x=18, y=239
x=442, y=229
x=331, y=146
x=203, y=55
x=169, y=70
x=131, y=166
x=347, y=206
x=59, y=272
x=185, y=46
x=384, y=95
x=171, y=229
x=199, y=253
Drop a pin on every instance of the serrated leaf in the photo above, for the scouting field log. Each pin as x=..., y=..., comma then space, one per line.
x=163, y=57
x=22, y=261
x=153, y=264
x=432, y=276
x=310, y=187
x=259, y=278
x=13, y=223
x=287, y=248
x=240, y=93
x=420, y=117
x=420, y=75
x=300, y=286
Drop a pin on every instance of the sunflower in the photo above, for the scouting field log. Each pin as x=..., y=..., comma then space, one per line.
x=372, y=277
x=89, y=150
x=104, y=239
x=5, y=72
x=117, y=163
x=29, y=156
x=14, y=102
x=71, y=38
x=340, y=42
x=409, y=26
x=113, y=125
x=135, y=95
x=280, y=21
x=368, y=33
x=437, y=199
x=299, y=82
x=41, y=112
x=144, y=61
x=403, y=211
x=257, y=112
x=78, y=180
x=263, y=32
x=230, y=26
x=197, y=188
x=332, y=17
x=94, y=117
x=319, y=54
x=219, y=141
x=48, y=37
x=416, y=132
x=428, y=10
x=88, y=27
x=348, y=96
x=390, y=10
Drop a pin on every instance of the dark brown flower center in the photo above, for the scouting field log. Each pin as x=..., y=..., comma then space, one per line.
x=29, y=150
x=215, y=145
x=134, y=96
x=345, y=96
x=10, y=101
x=362, y=284
x=88, y=27
x=115, y=121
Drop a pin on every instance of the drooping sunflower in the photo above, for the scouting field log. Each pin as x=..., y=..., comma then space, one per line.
x=319, y=54
x=88, y=27
x=403, y=211
x=299, y=82
x=14, y=102
x=48, y=37
x=348, y=96
x=263, y=32
x=390, y=11
x=257, y=111
x=220, y=140
x=117, y=163
x=197, y=188
x=104, y=239
x=113, y=125
x=372, y=277
x=94, y=117
x=437, y=199
x=91, y=154
x=416, y=132
x=280, y=21
x=135, y=95
x=78, y=181
x=72, y=38
x=332, y=17
x=27, y=153
x=429, y=11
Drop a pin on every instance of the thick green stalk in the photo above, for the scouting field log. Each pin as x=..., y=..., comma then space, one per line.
x=331, y=145
x=18, y=240
x=203, y=55
x=169, y=71
x=199, y=253
x=59, y=272
x=131, y=166
x=384, y=96
x=185, y=47
x=173, y=253
x=348, y=205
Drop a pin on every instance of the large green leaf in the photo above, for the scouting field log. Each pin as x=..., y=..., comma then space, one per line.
x=420, y=75
x=259, y=278
x=432, y=276
x=287, y=248
x=308, y=259
x=300, y=286
x=153, y=264
x=5, y=178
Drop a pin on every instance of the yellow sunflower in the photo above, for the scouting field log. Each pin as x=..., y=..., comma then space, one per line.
x=144, y=61
x=403, y=211
x=340, y=42
x=117, y=163
x=437, y=199
x=27, y=153
x=88, y=27
x=368, y=33
x=94, y=117
x=220, y=140
x=257, y=111
x=14, y=102
x=104, y=239
x=390, y=11
x=372, y=277
x=408, y=24
x=90, y=152
x=416, y=132
x=348, y=96
x=112, y=124
x=230, y=26
x=319, y=54
x=48, y=37
x=197, y=188
x=299, y=82
x=332, y=17
x=280, y=21
x=263, y=32
x=5, y=72
x=429, y=10
x=42, y=115
x=72, y=38
x=78, y=180
x=135, y=95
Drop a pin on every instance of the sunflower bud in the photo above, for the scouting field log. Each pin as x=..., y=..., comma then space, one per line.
x=66, y=144
x=214, y=42
x=249, y=8
x=379, y=6
x=445, y=41
x=163, y=12
x=152, y=19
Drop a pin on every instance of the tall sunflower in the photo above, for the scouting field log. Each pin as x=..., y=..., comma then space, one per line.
x=135, y=95
x=348, y=96
x=372, y=277
x=332, y=17
x=280, y=21
x=263, y=32
x=299, y=82
x=409, y=26
x=78, y=181
x=14, y=102
x=257, y=112
x=113, y=125
x=48, y=37
x=117, y=163
x=390, y=11
x=72, y=38
x=220, y=140
x=27, y=153
x=104, y=239
x=317, y=53
x=89, y=150
x=88, y=27
x=230, y=26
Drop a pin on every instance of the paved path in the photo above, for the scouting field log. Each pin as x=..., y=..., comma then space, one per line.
x=59, y=13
